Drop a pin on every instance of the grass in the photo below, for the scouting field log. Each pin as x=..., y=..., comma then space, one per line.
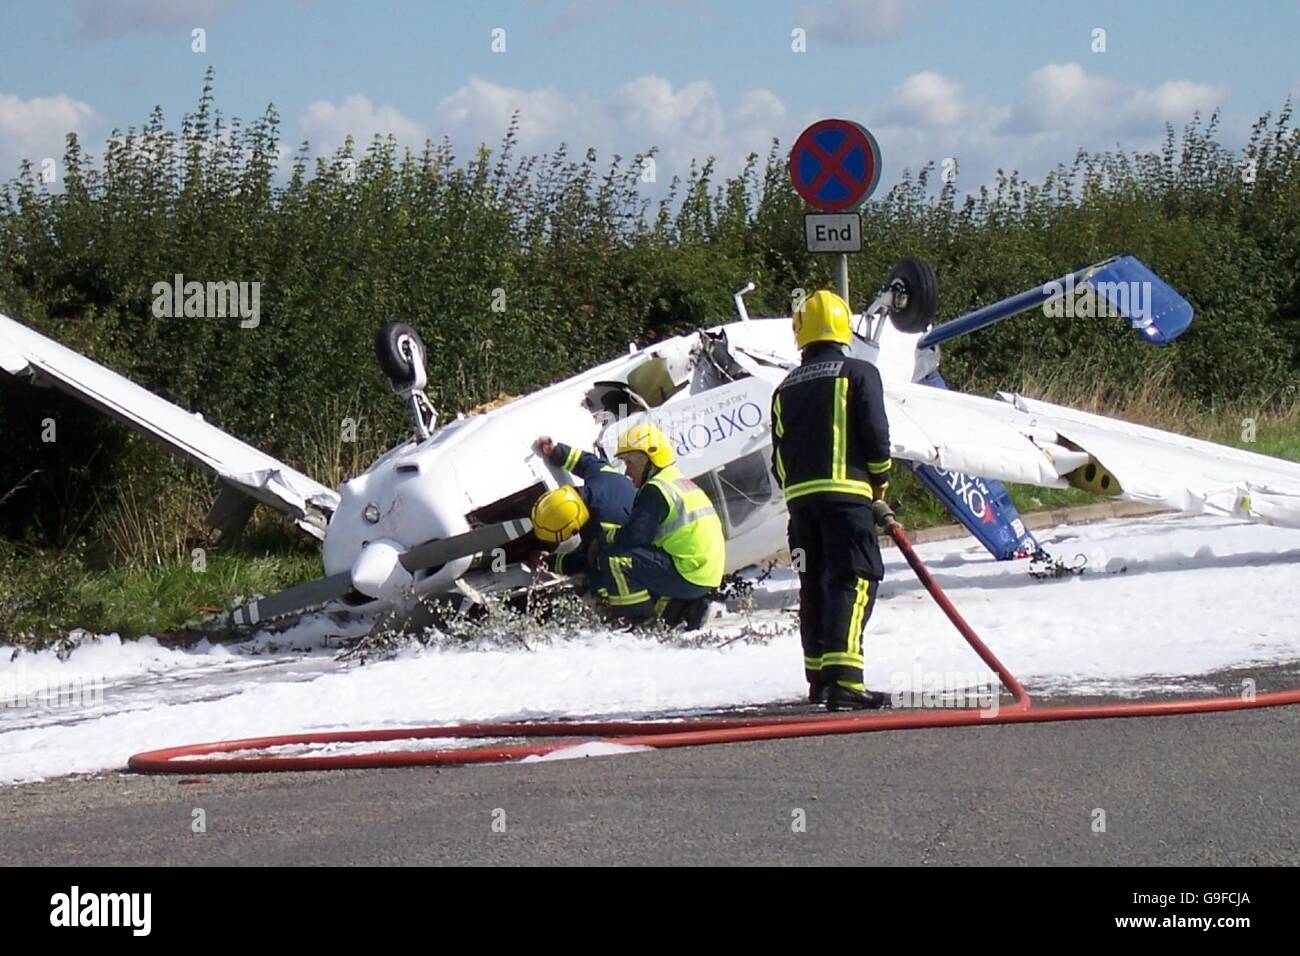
x=45, y=593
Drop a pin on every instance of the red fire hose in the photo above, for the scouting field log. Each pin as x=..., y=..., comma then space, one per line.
x=253, y=758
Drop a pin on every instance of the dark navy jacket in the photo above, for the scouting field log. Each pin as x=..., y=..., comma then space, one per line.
x=609, y=495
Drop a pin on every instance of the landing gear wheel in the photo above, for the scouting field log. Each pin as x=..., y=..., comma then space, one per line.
x=916, y=295
x=392, y=346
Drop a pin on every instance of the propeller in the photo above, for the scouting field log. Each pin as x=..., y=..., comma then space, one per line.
x=431, y=554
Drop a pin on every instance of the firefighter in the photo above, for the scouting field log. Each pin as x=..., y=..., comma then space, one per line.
x=671, y=552
x=593, y=512
x=830, y=455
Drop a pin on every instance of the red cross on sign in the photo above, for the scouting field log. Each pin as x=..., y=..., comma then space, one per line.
x=835, y=165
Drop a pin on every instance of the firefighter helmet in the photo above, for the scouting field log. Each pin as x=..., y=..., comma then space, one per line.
x=649, y=439
x=823, y=317
x=558, y=514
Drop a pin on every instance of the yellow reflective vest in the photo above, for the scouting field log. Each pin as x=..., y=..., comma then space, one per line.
x=692, y=532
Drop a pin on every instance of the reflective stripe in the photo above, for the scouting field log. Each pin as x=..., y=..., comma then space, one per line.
x=616, y=566
x=610, y=530
x=854, y=642
x=778, y=426
x=683, y=519
x=625, y=596
x=661, y=605
x=691, y=533
x=572, y=458
x=780, y=467
x=675, y=495
x=848, y=486
x=879, y=467
x=842, y=660
x=812, y=663
x=557, y=564
x=839, y=431
x=623, y=600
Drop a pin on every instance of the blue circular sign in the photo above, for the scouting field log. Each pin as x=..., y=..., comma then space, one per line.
x=835, y=165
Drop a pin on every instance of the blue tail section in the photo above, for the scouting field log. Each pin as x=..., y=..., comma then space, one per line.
x=1149, y=304
x=982, y=505
x=1124, y=285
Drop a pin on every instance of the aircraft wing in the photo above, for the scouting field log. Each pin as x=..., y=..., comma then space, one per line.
x=24, y=352
x=1031, y=442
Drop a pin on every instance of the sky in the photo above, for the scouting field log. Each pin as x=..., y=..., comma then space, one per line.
x=1003, y=83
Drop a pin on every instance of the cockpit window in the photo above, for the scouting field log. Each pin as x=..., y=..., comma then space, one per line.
x=739, y=491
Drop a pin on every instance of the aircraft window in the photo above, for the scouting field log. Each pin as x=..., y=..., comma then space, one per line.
x=717, y=365
x=739, y=490
x=653, y=381
x=613, y=398
x=718, y=354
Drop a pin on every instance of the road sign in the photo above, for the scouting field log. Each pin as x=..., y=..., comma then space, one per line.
x=833, y=231
x=835, y=165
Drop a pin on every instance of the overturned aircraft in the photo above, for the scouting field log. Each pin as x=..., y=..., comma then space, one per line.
x=445, y=512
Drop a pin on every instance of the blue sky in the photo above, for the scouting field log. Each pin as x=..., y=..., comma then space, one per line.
x=1002, y=83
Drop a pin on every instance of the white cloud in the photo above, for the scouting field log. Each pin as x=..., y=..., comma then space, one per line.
x=929, y=117
x=326, y=125
x=35, y=129
x=686, y=122
x=649, y=107
x=1064, y=95
x=101, y=20
x=857, y=22
x=933, y=101
x=480, y=112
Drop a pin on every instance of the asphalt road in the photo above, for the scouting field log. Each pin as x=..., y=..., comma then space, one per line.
x=1205, y=789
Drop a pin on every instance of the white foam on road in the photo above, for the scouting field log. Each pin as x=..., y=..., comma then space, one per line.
x=1199, y=595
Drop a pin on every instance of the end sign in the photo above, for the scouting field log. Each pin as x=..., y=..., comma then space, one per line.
x=833, y=232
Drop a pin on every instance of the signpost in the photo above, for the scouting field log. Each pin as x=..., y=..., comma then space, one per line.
x=835, y=167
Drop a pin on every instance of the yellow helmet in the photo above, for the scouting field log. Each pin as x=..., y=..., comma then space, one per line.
x=558, y=514
x=823, y=317
x=649, y=439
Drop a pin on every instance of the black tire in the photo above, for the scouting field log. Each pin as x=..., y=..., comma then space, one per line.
x=392, y=360
x=921, y=289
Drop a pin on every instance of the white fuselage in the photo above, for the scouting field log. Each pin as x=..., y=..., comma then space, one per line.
x=432, y=489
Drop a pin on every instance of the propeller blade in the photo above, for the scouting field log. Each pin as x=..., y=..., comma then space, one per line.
x=297, y=598
x=433, y=553
x=428, y=555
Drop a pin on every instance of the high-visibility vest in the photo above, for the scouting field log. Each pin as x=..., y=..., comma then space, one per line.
x=692, y=532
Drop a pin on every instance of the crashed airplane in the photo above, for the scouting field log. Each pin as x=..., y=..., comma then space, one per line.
x=445, y=512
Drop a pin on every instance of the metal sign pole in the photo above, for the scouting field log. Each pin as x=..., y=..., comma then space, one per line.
x=842, y=276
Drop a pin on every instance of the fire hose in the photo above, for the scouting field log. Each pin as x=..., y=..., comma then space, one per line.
x=251, y=755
